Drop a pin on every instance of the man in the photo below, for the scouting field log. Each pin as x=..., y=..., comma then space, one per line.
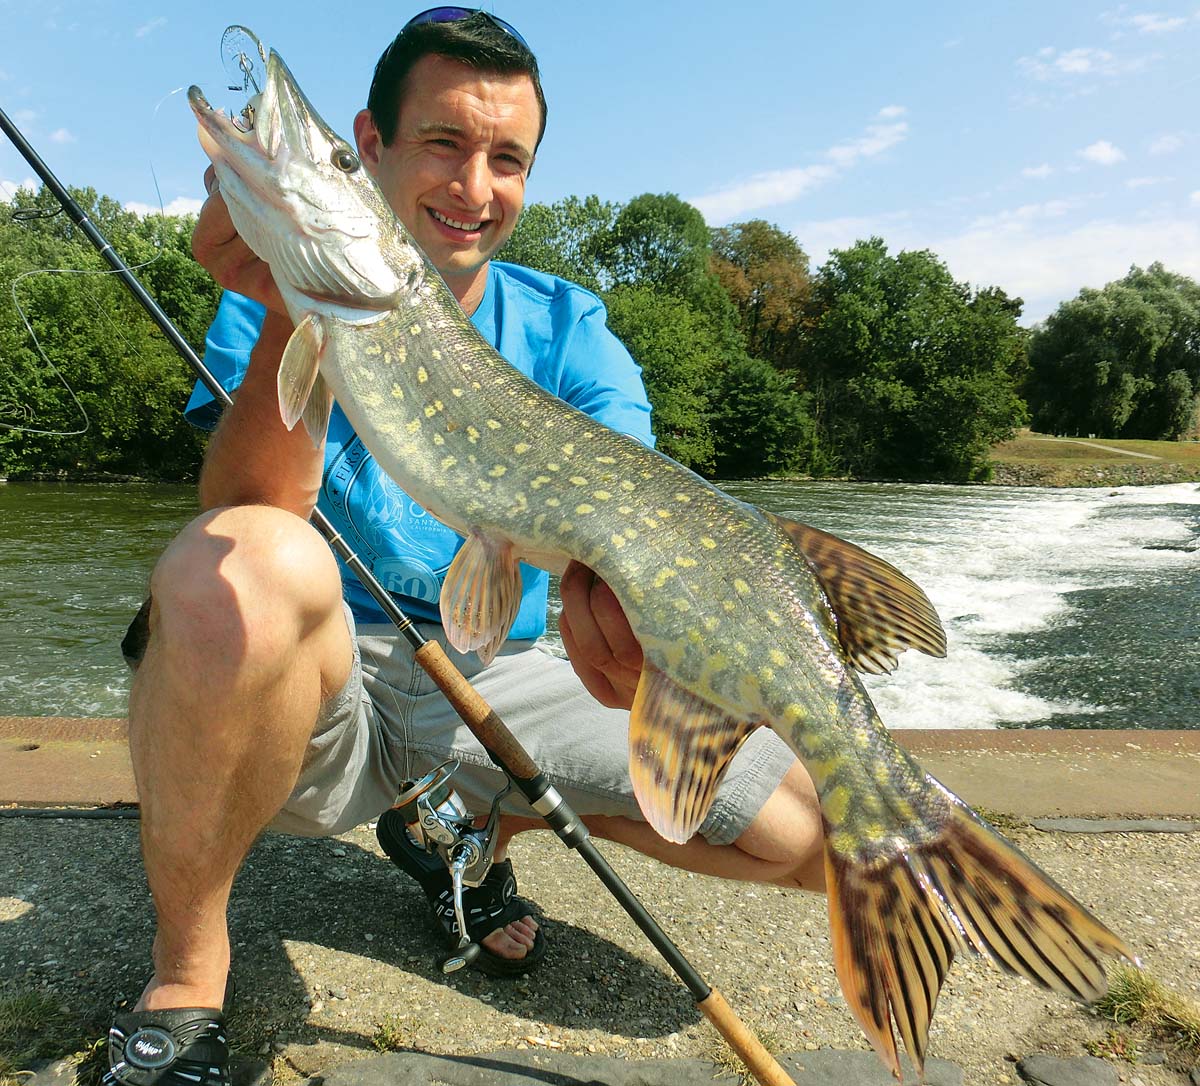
x=263, y=700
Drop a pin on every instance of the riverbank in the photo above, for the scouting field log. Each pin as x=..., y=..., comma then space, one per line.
x=335, y=961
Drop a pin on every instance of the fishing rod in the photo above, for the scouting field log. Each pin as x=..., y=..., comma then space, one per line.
x=505, y=751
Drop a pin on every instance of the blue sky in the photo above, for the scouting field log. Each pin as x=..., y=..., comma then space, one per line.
x=1037, y=146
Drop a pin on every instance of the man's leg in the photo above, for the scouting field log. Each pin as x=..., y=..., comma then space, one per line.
x=247, y=638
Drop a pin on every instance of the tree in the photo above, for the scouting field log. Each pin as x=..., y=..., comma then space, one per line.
x=911, y=375
x=765, y=273
x=1123, y=361
x=560, y=238
x=680, y=356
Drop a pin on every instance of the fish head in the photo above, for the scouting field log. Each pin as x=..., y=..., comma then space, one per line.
x=301, y=199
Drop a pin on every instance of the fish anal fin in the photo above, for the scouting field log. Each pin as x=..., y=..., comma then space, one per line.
x=899, y=915
x=679, y=748
x=880, y=612
x=481, y=596
x=299, y=377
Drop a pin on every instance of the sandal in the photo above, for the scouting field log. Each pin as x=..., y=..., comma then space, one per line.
x=178, y=1047
x=490, y=905
x=183, y=1046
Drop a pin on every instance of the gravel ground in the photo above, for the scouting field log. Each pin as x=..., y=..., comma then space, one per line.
x=335, y=959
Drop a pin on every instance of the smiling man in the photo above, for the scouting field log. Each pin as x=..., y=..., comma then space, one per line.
x=273, y=692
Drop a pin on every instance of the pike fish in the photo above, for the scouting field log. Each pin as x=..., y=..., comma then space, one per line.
x=746, y=619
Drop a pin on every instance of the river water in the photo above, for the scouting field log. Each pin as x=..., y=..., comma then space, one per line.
x=1063, y=608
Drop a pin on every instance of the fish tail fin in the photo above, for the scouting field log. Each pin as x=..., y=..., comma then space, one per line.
x=898, y=918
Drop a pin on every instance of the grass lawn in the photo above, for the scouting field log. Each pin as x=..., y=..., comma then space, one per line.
x=1046, y=460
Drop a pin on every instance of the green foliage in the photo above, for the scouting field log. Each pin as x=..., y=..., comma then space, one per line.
x=911, y=376
x=1122, y=361
x=760, y=423
x=560, y=238
x=679, y=356
x=129, y=381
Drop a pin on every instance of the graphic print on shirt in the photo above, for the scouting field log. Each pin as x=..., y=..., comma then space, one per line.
x=408, y=550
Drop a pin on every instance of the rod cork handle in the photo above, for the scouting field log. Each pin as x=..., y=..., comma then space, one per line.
x=761, y=1064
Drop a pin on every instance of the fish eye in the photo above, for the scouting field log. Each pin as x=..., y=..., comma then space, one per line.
x=344, y=159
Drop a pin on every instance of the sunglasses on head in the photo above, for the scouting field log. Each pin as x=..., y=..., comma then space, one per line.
x=454, y=14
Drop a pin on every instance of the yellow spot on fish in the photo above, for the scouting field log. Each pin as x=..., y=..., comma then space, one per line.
x=472, y=434
x=568, y=449
x=684, y=562
x=554, y=503
x=448, y=462
x=663, y=576
x=835, y=803
x=606, y=459
x=492, y=424
x=664, y=513
x=422, y=374
x=684, y=498
x=774, y=618
x=430, y=411
x=584, y=509
x=374, y=348
x=366, y=374
x=565, y=526
x=521, y=448
x=552, y=467
x=767, y=674
x=601, y=495
x=712, y=623
x=741, y=650
x=728, y=605
x=397, y=392
x=778, y=658
x=497, y=471
x=413, y=426
x=793, y=713
x=740, y=587
x=539, y=481
x=708, y=544
x=457, y=392
x=617, y=540
x=578, y=480
x=630, y=533
x=401, y=354
x=650, y=522
x=414, y=330
x=683, y=605
x=627, y=485
x=438, y=439
x=436, y=354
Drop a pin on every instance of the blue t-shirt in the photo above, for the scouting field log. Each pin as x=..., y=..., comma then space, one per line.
x=553, y=331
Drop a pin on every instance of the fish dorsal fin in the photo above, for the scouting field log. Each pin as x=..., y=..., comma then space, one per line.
x=879, y=611
x=481, y=596
x=679, y=748
x=302, y=392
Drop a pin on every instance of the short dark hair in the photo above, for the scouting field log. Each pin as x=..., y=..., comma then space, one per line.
x=477, y=41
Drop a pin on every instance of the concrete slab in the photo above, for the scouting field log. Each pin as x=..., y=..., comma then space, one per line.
x=53, y=761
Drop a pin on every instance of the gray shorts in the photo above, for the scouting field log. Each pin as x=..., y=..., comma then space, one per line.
x=390, y=724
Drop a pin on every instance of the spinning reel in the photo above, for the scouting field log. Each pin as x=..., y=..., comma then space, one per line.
x=436, y=820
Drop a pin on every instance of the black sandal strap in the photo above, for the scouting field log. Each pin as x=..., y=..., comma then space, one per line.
x=178, y=1047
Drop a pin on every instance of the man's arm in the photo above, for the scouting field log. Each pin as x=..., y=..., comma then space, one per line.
x=252, y=458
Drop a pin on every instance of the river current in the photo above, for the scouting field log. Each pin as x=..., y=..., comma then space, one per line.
x=1063, y=608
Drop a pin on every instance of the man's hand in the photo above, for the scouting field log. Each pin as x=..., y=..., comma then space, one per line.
x=218, y=246
x=603, y=651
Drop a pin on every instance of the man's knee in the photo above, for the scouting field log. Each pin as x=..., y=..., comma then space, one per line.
x=246, y=575
x=788, y=832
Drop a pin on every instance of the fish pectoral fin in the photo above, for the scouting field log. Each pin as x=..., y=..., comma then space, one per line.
x=898, y=916
x=481, y=596
x=302, y=391
x=679, y=748
x=879, y=611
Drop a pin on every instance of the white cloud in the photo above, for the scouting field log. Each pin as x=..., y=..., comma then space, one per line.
x=1166, y=144
x=1103, y=153
x=775, y=187
x=8, y=189
x=1039, y=172
x=1195, y=198
x=149, y=28
x=1051, y=63
x=1145, y=182
x=61, y=135
x=1157, y=23
x=181, y=205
